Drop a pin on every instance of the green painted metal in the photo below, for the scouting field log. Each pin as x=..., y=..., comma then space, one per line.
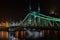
x=37, y=19
x=34, y=18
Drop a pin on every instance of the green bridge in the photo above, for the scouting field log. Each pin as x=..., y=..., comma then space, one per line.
x=35, y=18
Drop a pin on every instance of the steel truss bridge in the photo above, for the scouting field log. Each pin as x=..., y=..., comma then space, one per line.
x=34, y=18
x=37, y=19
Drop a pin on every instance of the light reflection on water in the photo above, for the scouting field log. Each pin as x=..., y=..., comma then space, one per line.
x=3, y=34
x=34, y=34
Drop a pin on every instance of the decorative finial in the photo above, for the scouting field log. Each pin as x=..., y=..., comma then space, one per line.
x=30, y=6
x=38, y=7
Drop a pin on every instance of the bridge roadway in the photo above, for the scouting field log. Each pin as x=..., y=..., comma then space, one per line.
x=19, y=28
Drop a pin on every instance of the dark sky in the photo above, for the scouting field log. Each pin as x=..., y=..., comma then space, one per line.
x=18, y=9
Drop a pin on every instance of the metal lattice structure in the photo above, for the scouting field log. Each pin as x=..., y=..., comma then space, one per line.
x=38, y=19
x=35, y=18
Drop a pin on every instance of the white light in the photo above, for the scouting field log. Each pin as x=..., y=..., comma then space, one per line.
x=52, y=12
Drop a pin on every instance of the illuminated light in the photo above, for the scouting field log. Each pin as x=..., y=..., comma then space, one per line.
x=47, y=17
x=16, y=34
x=52, y=12
x=3, y=24
x=2, y=34
x=35, y=13
x=5, y=34
x=22, y=34
x=12, y=24
x=41, y=16
x=7, y=24
x=44, y=17
x=17, y=24
x=52, y=19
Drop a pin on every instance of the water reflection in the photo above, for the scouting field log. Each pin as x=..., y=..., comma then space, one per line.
x=3, y=35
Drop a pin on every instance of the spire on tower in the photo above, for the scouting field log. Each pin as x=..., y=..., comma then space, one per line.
x=30, y=6
x=38, y=7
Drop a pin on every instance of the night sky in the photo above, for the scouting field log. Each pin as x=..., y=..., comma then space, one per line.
x=18, y=9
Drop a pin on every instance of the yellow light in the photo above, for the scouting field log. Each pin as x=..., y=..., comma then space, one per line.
x=22, y=34
x=7, y=24
x=5, y=34
x=17, y=32
x=2, y=33
x=3, y=24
